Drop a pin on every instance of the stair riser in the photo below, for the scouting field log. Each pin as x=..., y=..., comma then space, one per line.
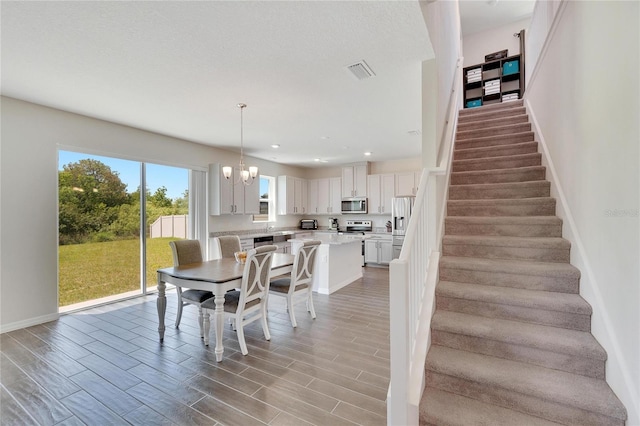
x=453, y=228
x=497, y=121
x=542, y=208
x=568, y=320
x=505, y=279
x=491, y=108
x=497, y=163
x=493, y=177
x=500, y=151
x=511, y=192
x=517, y=401
x=494, y=141
x=493, y=131
x=544, y=358
x=508, y=253
x=509, y=112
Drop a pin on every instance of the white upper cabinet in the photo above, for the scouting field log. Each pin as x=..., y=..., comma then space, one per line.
x=231, y=196
x=292, y=195
x=354, y=180
x=407, y=183
x=381, y=191
x=325, y=196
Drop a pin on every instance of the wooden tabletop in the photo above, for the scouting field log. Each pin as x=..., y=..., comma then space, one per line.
x=220, y=270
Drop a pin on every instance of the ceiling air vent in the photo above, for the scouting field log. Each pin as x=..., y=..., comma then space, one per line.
x=361, y=70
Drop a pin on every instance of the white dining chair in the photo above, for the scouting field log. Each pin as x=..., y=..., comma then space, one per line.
x=185, y=252
x=299, y=282
x=225, y=246
x=249, y=303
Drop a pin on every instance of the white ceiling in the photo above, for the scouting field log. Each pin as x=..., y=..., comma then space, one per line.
x=481, y=15
x=180, y=68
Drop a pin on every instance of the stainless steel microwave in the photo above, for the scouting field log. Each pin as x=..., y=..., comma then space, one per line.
x=354, y=205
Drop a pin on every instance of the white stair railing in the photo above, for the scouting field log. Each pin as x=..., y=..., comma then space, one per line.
x=413, y=277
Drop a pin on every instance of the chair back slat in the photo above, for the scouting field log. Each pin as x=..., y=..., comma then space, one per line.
x=303, y=264
x=226, y=246
x=185, y=252
x=256, y=275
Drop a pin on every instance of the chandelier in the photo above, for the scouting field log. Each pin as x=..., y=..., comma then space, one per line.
x=245, y=176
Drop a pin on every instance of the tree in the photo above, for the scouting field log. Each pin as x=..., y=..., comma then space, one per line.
x=90, y=195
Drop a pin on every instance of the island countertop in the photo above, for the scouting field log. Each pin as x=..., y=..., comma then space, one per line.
x=333, y=239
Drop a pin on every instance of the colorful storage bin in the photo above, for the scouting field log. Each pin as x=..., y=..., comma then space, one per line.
x=474, y=104
x=511, y=67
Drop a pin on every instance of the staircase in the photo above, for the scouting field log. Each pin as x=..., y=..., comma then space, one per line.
x=511, y=342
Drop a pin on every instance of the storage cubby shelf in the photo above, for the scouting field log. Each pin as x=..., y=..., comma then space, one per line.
x=493, y=82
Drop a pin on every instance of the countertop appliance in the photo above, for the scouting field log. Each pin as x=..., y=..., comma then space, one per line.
x=358, y=227
x=308, y=224
x=401, y=208
x=333, y=224
x=354, y=206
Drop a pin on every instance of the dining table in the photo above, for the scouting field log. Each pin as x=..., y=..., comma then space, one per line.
x=217, y=276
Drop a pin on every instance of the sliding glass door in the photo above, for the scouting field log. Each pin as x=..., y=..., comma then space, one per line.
x=108, y=246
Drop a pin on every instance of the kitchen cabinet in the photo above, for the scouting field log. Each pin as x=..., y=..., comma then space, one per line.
x=381, y=192
x=407, y=183
x=231, y=196
x=325, y=196
x=312, y=196
x=292, y=195
x=354, y=180
x=378, y=249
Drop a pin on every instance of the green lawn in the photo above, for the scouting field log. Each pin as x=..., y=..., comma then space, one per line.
x=94, y=270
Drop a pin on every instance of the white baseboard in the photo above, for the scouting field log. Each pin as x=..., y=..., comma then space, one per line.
x=4, y=328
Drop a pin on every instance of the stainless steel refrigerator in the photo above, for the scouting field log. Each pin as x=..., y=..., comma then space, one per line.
x=401, y=208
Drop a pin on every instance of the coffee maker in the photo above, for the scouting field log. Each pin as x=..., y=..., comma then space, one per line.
x=333, y=224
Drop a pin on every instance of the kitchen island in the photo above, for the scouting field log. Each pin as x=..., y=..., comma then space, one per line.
x=338, y=260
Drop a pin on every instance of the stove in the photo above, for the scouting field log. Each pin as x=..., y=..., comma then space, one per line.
x=358, y=227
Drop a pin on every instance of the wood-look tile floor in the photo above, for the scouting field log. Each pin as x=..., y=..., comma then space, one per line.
x=105, y=366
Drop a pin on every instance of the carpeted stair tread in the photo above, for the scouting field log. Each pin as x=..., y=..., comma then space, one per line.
x=547, y=300
x=444, y=408
x=504, y=175
x=495, y=121
x=493, y=131
x=585, y=393
x=486, y=115
x=524, y=226
x=495, y=140
x=519, y=267
x=490, y=108
x=536, y=336
x=510, y=190
x=496, y=151
x=508, y=241
x=521, y=207
x=497, y=163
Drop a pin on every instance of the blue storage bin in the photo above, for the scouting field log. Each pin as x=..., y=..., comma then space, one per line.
x=474, y=104
x=511, y=67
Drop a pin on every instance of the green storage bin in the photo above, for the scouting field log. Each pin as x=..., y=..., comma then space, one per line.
x=474, y=104
x=511, y=67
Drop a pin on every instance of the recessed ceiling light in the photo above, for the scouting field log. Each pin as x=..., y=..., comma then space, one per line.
x=275, y=145
x=367, y=153
x=317, y=160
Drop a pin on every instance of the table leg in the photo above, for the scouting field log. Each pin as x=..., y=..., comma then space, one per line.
x=162, y=307
x=219, y=319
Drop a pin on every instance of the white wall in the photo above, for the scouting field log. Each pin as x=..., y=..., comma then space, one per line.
x=476, y=46
x=443, y=21
x=31, y=135
x=584, y=98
